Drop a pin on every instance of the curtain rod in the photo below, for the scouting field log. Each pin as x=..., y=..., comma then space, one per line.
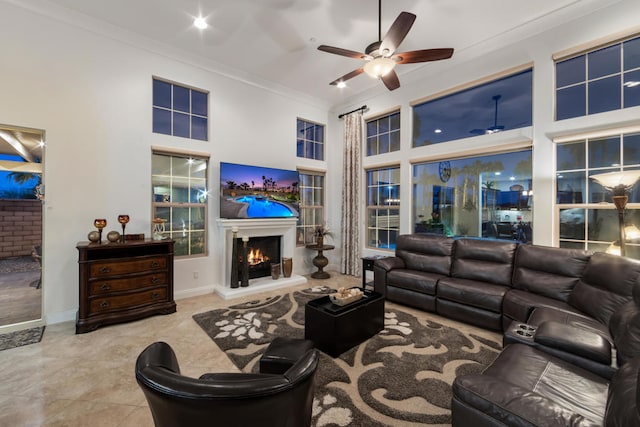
x=364, y=107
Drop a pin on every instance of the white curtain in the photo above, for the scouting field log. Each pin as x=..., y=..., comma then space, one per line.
x=351, y=195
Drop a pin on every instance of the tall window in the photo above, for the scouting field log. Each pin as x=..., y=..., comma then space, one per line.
x=587, y=216
x=383, y=134
x=487, y=196
x=383, y=207
x=311, y=206
x=179, y=110
x=310, y=140
x=180, y=198
x=600, y=80
x=495, y=106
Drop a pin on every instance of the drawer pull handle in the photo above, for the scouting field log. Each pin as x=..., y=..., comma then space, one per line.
x=105, y=270
x=154, y=280
x=155, y=295
x=155, y=264
x=105, y=287
x=104, y=304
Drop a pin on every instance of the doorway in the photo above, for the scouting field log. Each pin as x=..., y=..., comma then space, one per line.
x=21, y=199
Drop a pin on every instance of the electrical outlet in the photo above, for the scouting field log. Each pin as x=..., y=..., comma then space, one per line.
x=195, y=274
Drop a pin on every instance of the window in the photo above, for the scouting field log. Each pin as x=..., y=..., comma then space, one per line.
x=383, y=207
x=180, y=198
x=310, y=140
x=487, y=196
x=587, y=217
x=179, y=110
x=600, y=80
x=311, y=206
x=495, y=106
x=383, y=134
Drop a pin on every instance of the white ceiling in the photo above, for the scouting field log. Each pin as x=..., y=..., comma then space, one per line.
x=275, y=41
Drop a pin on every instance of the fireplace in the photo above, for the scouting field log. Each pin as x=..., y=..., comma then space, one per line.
x=283, y=229
x=262, y=251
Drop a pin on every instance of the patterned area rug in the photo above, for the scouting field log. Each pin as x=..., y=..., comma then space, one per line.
x=402, y=376
x=20, y=338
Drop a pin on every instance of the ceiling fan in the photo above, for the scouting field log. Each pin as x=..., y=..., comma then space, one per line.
x=380, y=55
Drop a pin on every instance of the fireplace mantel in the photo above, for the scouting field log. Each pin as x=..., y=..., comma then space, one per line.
x=284, y=227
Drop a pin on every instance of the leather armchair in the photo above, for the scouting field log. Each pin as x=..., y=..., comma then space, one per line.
x=225, y=399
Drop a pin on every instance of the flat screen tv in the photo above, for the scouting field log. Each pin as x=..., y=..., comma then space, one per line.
x=258, y=192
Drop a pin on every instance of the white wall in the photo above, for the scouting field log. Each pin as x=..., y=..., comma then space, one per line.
x=92, y=95
x=484, y=60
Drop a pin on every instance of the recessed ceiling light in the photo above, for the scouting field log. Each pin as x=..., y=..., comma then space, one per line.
x=200, y=23
x=341, y=85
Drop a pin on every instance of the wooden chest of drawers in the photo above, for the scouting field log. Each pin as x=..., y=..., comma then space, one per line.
x=120, y=282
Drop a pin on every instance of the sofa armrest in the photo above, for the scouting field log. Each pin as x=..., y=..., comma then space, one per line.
x=380, y=269
x=571, y=339
x=389, y=263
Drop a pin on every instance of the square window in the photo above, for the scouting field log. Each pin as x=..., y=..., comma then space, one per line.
x=199, y=103
x=181, y=125
x=161, y=94
x=199, y=128
x=604, y=95
x=571, y=102
x=161, y=121
x=631, y=51
x=571, y=156
x=181, y=99
x=632, y=89
x=604, y=62
x=631, y=149
x=571, y=71
x=604, y=152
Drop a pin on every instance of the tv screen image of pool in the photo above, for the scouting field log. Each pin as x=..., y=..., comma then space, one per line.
x=258, y=192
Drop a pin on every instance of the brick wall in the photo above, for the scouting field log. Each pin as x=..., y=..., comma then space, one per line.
x=20, y=227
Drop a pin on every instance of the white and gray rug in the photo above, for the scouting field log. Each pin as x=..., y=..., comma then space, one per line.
x=401, y=376
x=20, y=338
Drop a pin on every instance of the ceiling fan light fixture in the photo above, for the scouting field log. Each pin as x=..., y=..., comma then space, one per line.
x=379, y=66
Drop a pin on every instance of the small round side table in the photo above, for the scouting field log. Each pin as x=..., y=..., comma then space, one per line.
x=320, y=261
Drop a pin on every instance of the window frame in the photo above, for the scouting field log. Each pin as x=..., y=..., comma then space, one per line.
x=588, y=82
x=156, y=107
x=173, y=204
x=305, y=227
x=390, y=131
x=587, y=205
x=372, y=211
x=306, y=142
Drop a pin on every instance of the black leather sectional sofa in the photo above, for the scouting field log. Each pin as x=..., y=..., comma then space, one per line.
x=571, y=323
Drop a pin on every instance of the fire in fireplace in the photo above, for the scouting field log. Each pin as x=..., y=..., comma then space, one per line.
x=261, y=252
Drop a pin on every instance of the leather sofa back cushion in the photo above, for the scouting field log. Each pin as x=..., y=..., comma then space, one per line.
x=484, y=260
x=551, y=272
x=606, y=285
x=425, y=252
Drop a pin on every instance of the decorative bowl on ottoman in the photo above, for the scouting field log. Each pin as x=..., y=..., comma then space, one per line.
x=345, y=296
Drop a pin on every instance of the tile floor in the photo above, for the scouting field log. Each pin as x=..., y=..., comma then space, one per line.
x=88, y=379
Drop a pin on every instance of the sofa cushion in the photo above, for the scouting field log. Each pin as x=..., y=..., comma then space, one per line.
x=606, y=285
x=525, y=386
x=519, y=304
x=551, y=272
x=488, y=261
x=581, y=342
x=413, y=280
x=425, y=252
x=471, y=292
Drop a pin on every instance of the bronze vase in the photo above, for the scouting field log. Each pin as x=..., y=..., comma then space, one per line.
x=287, y=266
x=275, y=271
x=320, y=241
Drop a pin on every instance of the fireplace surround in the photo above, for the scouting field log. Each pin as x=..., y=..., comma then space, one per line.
x=285, y=228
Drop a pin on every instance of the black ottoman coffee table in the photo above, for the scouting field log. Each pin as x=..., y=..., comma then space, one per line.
x=335, y=329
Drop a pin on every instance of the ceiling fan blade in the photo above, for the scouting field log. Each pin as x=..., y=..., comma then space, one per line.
x=397, y=32
x=347, y=76
x=343, y=52
x=391, y=80
x=425, y=55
